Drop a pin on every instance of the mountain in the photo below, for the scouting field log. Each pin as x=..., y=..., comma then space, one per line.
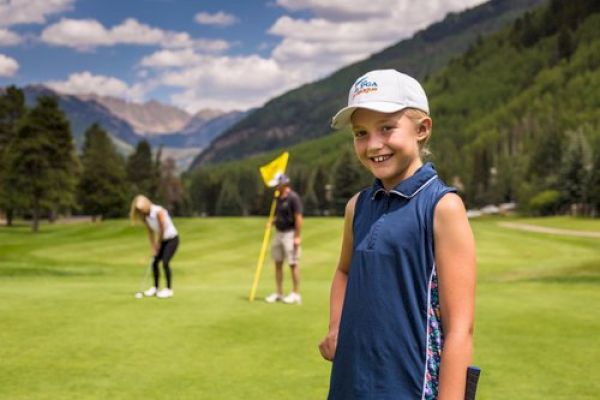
x=304, y=113
x=199, y=131
x=147, y=118
x=83, y=113
x=124, y=122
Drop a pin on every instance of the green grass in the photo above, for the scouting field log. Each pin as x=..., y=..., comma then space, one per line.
x=71, y=328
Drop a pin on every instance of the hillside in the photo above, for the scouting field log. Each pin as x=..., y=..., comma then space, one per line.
x=508, y=112
x=517, y=116
x=304, y=113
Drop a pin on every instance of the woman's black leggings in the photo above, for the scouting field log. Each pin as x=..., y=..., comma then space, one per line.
x=165, y=253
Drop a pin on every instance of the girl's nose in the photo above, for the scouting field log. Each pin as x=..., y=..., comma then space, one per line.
x=374, y=143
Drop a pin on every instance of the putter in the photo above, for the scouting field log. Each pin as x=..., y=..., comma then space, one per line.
x=143, y=282
x=472, y=379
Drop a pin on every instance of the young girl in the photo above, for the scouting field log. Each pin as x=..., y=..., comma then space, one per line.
x=402, y=297
x=163, y=240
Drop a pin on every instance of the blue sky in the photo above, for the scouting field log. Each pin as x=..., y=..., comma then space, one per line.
x=198, y=54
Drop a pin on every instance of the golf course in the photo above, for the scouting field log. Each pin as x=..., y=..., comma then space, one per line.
x=73, y=329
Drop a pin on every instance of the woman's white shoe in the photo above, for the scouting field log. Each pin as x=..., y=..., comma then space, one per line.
x=164, y=293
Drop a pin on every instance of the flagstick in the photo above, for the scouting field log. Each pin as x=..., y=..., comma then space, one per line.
x=263, y=250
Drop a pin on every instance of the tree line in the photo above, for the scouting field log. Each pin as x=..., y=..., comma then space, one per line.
x=226, y=189
x=42, y=175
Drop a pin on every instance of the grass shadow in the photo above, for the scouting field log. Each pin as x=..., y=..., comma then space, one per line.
x=15, y=272
x=586, y=273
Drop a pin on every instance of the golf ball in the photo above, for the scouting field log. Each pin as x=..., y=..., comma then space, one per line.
x=138, y=295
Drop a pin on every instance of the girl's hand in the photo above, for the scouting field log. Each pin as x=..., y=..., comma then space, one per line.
x=328, y=345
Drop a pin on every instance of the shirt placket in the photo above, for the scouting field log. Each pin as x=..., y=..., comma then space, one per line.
x=377, y=226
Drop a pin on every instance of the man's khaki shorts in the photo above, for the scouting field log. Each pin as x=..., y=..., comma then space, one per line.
x=282, y=248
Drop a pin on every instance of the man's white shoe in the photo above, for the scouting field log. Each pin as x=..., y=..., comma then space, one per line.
x=293, y=298
x=164, y=293
x=151, y=292
x=273, y=297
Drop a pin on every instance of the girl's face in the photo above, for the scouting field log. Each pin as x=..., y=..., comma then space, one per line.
x=387, y=144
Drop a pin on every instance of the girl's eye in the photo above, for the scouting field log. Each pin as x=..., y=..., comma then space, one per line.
x=359, y=134
x=386, y=129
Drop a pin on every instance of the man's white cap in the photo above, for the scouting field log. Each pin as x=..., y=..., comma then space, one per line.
x=384, y=90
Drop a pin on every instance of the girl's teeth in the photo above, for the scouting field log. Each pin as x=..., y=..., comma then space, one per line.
x=380, y=158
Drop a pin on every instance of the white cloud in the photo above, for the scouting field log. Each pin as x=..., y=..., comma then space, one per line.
x=228, y=82
x=14, y=12
x=80, y=34
x=170, y=58
x=309, y=49
x=9, y=38
x=342, y=31
x=86, y=83
x=219, y=19
x=87, y=34
x=8, y=66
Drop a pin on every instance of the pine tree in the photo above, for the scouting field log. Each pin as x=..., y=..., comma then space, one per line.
x=102, y=190
x=249, y=185
x=12, y=109
x=594, y=180
x=229, y=201
x=319, y=185
x=171, y=190
x=310, y=202
x=547, y=149
x=158, y=172
x=42, y=161
x=565, y=45
x=204, y=192
x=348, y=179
x=141, y=171
x=574, y=171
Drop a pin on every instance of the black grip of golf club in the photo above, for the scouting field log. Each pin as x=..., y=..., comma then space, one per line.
x=472, y=379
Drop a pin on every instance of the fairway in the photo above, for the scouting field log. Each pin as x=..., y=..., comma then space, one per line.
x=72, y=329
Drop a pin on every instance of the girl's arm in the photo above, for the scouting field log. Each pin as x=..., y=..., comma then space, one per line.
x=455, y=260
x=161, y=225
x=151, y=237
x=338, y=287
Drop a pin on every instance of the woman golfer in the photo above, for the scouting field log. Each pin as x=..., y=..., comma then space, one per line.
x=163, y=240
x=402, y=297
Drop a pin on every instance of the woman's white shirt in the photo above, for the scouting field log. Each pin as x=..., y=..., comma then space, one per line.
x=152, y=220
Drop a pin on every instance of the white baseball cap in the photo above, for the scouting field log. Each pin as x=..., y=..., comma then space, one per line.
x=384, y=90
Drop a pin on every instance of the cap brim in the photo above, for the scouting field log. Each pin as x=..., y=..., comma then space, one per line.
x=342, y=118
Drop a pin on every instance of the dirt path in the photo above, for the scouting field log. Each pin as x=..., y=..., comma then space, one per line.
x=552, y=231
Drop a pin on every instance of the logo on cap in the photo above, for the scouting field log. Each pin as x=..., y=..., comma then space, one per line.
x=364, y=86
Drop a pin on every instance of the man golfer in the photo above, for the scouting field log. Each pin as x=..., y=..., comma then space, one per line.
x=286, y=243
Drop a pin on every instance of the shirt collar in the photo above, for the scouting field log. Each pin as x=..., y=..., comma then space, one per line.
x=410, y=186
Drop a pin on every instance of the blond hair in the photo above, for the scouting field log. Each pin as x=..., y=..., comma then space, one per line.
x=140, y=207
x=417, y=117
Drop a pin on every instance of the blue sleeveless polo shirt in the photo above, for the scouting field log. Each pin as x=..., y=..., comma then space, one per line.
x=390, y=338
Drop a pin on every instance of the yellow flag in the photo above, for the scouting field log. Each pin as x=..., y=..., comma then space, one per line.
x=274, y=169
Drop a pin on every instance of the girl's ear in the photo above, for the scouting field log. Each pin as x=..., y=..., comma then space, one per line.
x=424, y=128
